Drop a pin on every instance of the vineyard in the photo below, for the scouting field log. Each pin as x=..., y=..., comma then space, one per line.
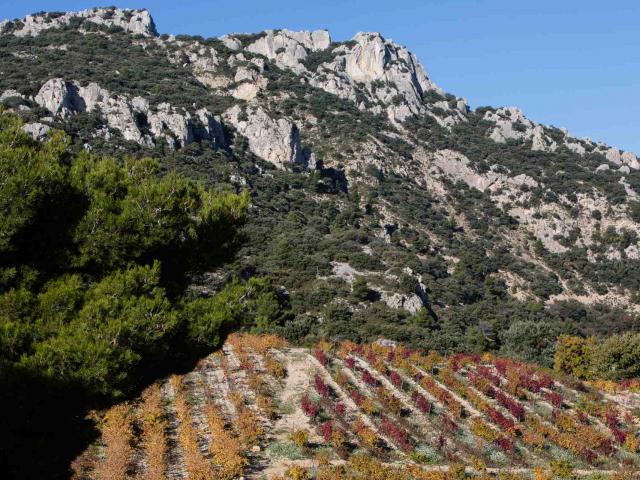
x=261, y=409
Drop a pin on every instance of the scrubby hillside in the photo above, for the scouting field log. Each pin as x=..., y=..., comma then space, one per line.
x=361, y=169
x=262, y=409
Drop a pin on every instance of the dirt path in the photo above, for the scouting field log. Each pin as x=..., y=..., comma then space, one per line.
x=300, y=370
x=216, y=385
x=176, y=467
x=291, y=418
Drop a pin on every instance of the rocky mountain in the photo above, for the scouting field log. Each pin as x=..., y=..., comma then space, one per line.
x=381, y=203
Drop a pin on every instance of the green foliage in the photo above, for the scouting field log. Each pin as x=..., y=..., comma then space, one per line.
x=317, y=58
x=617, y=357
x=574, y=356
x=531, y=341
x=359, y=289
x=634, y=211
x=253, y=304
x=32, y=179
x=95, y=255
x=125, y=319
x=135, y=216
x=121, y=63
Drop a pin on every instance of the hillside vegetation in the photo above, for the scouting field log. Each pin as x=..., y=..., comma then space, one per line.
x=465, y=229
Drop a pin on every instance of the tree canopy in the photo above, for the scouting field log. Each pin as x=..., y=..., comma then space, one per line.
x=94, y=253
x=96, y=259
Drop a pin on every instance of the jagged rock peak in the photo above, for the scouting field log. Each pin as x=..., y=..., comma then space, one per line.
x=390, y=71
x=289, y=48
x=132, y=21
x=373, y=57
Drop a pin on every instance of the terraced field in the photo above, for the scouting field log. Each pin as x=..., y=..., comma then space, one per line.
x=262, y=409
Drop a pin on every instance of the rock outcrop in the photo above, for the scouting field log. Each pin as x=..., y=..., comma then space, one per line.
x=133, y=117
x=37, y=130
x=394, y=79
x=411, y=302
x=7, y=94
x=61, y=98
x=392, y=75
x=375, y=59
x=511, y=124
x=132, y=21
x=289, y=49
x=276, y=141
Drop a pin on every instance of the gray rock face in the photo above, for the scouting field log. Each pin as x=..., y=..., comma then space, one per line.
x=132, y=117
x=375, y=59
x=389, y=71
x=288, y=49
x=630, y=159
x=231, y=43
x=546, y=221
x=132, y=21
x=61, y=98
x=621, y=159
x=37, y=130
x=613, y=155
x=511, y=124
x=411, y=302
x=276, y=141
x=10, y=94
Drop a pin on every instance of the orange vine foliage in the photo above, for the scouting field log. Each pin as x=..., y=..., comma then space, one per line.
x=300, y=437
x=198, y=468
x=274, y=367
x=226, y=449
x=631, y=443
x=248, y=426
x=431, y=386
x=481, y=429
x=366, y=434
x=259, y=343
x=389, y=401
x=346, y=348
x=153, y=433
x=117, y=434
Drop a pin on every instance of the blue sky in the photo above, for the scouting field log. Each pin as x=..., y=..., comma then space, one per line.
x=569, y=63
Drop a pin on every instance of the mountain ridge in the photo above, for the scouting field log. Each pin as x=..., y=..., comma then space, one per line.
x=140, y=21
x=354, y=117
